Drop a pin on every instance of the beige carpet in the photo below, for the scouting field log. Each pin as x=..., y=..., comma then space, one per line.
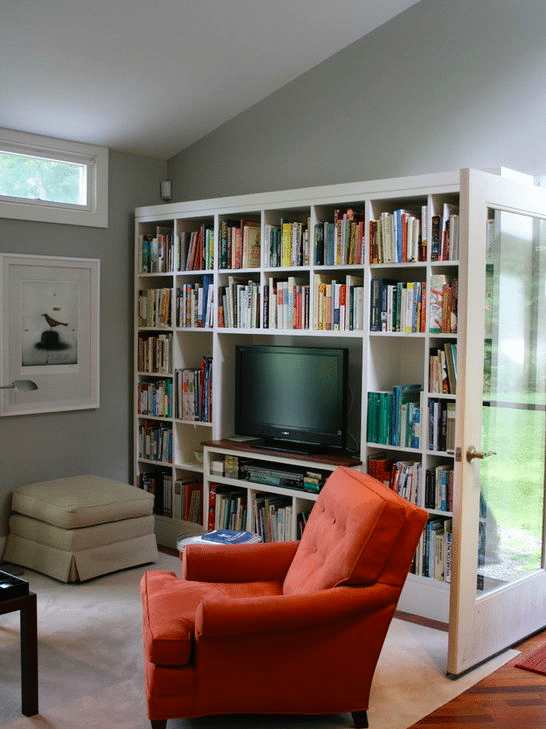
x=90, y=665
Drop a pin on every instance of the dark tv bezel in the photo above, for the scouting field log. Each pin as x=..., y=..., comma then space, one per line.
x=289, y=438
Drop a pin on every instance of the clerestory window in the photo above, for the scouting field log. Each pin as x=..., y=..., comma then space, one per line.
x=52, y=180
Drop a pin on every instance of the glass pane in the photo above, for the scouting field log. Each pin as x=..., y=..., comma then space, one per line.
x=43, y=180
x=512, y=480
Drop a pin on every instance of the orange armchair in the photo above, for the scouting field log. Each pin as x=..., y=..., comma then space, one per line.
x=286, y=627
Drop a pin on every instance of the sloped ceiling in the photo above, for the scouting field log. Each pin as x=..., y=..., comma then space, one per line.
x=153, y=76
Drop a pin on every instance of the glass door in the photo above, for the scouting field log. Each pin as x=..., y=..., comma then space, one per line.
x=499, y=585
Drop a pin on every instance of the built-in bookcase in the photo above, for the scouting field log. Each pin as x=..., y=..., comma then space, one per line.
x=369, y=266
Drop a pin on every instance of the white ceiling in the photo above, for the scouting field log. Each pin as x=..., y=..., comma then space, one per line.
x=153, y=76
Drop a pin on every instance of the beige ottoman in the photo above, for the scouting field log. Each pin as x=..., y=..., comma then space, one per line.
x=80, y=527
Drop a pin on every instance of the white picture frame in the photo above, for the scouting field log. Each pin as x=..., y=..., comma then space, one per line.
x=49, y=333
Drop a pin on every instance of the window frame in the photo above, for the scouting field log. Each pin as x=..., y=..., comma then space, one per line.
x=94, y=213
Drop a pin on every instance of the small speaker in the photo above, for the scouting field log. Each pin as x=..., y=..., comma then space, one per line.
x=166, y=191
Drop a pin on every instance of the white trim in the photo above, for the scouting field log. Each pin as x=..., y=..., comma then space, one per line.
x=95, y=213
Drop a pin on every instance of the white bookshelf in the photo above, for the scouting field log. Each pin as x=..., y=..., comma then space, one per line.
x=378, y=360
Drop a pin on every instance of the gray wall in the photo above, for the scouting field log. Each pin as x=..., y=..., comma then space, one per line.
x=447, y=84
x=40, y=447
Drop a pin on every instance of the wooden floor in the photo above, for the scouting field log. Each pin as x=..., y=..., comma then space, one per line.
x=510, y=698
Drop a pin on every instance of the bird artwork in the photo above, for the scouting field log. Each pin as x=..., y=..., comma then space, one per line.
x=53, y=322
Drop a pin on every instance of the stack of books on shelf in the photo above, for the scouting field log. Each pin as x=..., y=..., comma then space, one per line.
x=158, y=483
x=397, y=306
x=193, y=391
x=445, y=234
x=239, y=244
x=155, y=398
x=397, y=238
x=196, y=249
x=433, y=556
x=439, y=488
x=443, y=369
x=338, y=304
x=394, y=418
x=340, y=242
x=194, y=304
x=441, y=425
x=297, y=478
x=272, y=517
x=156, y=252
x=154, y=307
x=154, y=353
x=286, y=304
x=188, y=500
x=155, y=441
x=239, y=304
x=443, y=304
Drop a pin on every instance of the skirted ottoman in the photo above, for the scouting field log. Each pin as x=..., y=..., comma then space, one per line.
x=80, y=527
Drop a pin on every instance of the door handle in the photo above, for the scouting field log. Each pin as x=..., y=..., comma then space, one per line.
x=473, y=453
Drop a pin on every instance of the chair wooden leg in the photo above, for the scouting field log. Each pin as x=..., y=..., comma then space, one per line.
x=159, y=723
x=360, y=719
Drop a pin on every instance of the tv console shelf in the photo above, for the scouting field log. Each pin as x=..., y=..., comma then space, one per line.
x=265, y=491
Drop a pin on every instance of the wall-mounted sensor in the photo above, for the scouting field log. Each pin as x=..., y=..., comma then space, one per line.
x=166, y=191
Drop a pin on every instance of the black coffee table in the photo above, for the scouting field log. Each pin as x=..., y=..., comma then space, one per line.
x=29, y=648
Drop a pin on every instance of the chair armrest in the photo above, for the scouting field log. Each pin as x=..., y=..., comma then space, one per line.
x=237, y=562
x=215, y=618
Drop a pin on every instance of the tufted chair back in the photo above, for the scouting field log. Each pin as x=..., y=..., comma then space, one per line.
x=350, y=535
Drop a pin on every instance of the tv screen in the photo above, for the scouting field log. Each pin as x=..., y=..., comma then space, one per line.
x=292, y=397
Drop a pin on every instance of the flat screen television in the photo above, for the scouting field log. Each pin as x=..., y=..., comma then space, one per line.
x=294, y=398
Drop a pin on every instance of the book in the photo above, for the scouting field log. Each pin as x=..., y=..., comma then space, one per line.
x=230, y=536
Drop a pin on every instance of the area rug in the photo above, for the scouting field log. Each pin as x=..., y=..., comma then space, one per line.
x=534, y=660
x=91, y=674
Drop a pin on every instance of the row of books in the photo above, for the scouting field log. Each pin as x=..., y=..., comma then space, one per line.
x=227, y=508
x=154, y=307
x=338, y=305
x=441, y=425
x=196, y=249
x=342, y=241
x=397, y=306
x=157, y=252
x=434, y=551
x=193, y=392
x=155, y=441
x=439, y=488
x=405, y=477
x=194, y=304
x=286, y=304
x=239, y=304
x=154, y=353
x=155, y=398
x=239, y=244
x=443, y=369
x=272, y=517
x=397, y=237
x=288, y=244
x=445, y=234
x=443, y=304
x=394, y=417
x=394, y=237
x=159, y=483
x=188, y=500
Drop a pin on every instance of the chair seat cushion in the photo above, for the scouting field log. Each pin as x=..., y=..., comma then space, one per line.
x=169, y=606
x=81, y=501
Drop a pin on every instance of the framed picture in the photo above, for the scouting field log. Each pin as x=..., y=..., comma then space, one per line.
x=49, y=334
